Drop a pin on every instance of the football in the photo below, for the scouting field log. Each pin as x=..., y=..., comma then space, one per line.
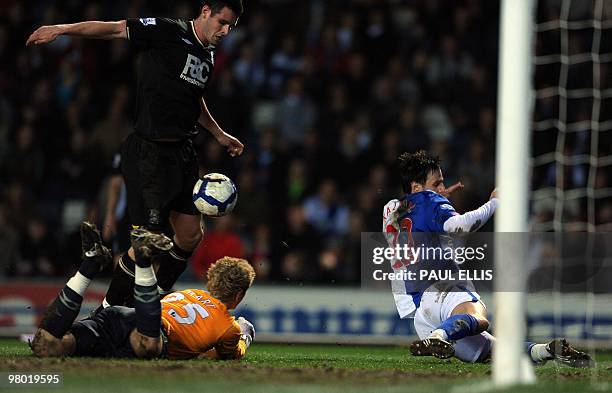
x=215, y=195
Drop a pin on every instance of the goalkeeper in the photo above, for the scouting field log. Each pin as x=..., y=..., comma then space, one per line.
x=449, y=317
x=186, y=324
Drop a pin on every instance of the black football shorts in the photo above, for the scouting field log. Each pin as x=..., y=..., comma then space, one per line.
x=159, y=178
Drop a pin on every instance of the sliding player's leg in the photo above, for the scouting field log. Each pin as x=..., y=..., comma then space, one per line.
x=558, y=349
x=477, y=348
x=451, y=312
x=561, y=351
x=145, y=339
x=52, y=337
x=461, y=317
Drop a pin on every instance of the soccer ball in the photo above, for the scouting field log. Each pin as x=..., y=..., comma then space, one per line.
x=215, y=195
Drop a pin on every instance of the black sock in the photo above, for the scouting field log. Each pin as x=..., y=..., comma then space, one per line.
x=148, y=309
x=60, y=315
x=146, y=298
x=171, y=265
x=121, y=289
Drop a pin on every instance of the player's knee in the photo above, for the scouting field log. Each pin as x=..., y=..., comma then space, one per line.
x=45, y=344
x=188, y=241
x=483, y=324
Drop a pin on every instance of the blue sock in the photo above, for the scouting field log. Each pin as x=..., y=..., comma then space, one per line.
x=528, y=346
x=459, y=326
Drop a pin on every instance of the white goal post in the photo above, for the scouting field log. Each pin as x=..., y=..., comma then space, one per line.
x=515, y=104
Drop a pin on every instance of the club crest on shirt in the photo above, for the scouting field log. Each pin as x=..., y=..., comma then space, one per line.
x=148, y=21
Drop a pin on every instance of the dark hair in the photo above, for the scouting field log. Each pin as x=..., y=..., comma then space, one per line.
x=217, y=5
x=415, y=167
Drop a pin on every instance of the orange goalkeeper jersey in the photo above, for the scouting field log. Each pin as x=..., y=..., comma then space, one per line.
x=196, y=322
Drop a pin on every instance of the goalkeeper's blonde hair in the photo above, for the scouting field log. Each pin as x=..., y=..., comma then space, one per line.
x=228, y=276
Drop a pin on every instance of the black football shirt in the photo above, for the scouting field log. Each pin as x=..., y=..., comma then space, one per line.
x=173, y=68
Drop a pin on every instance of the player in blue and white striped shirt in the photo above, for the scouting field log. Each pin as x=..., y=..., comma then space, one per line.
x=449, y=316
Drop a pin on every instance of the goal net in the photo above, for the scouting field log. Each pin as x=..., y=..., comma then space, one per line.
x=566, y=186
x=572, y=152
x=572, y=129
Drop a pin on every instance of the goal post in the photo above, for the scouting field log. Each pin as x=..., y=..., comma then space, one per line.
x=515, y=104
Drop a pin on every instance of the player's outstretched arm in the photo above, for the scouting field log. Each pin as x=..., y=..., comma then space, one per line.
x=90, y=29
x=472, y=220
x=233, y=145
x=448, y=191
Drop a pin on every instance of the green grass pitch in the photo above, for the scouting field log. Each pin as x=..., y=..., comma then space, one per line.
x=292, y=368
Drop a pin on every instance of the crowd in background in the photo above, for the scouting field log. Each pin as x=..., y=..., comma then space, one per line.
x=324, y=94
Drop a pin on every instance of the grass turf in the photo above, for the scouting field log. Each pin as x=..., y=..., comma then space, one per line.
x=291, y=368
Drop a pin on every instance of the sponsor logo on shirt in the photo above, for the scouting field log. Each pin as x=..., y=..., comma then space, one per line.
x=148, y=21
x=192, y=72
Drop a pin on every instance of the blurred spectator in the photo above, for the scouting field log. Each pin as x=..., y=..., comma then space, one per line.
x=285, y=63
x=108, y=134
x=449, y=64
x=335, y=109
x=300, y=246
x=296, y=113
x=25, y=163
x=252, y=206
x=5, y=122
x=477, y=173
x=261, y=253
x=77, y=176
x=18, y=202
x=413, y=135
x=249, y=69
x=219, y=241
x=326, y=212
x=39, y=251
x=297, y=181
x=9, y=246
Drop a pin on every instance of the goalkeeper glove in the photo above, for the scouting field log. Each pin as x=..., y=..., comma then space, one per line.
x=247, y=330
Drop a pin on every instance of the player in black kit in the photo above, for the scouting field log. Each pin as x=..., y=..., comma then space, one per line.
x=174, y=62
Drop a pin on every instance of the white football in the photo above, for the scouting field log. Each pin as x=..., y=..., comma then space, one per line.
x=215, y=195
